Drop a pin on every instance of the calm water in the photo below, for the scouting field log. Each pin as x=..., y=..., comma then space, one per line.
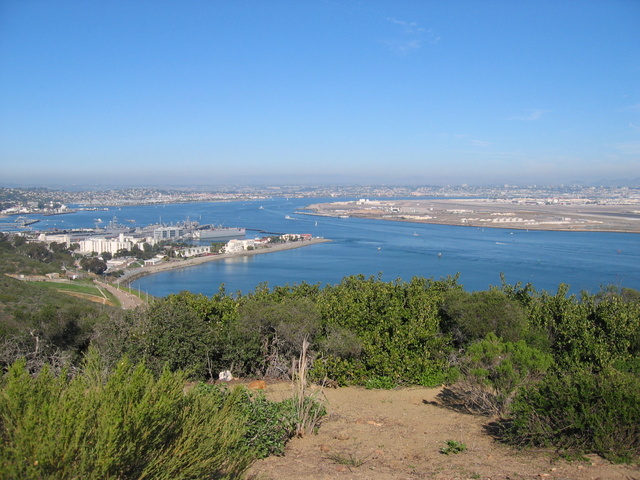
x=393, y=249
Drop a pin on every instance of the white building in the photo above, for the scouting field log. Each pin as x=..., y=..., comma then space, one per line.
x=291, y=237
x=168, y=233
x=193, y=251
x=101, y=244
x=153, y=261
x=116, y=263
x=66, y=239
x=237, y=245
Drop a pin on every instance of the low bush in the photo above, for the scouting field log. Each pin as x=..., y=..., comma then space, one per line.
x=127, y=424
x=380, y=383
x=469, y=317
x=492, y=371
x=341, y=371
x=269, y=425
x=590, y=412
x=453, y=447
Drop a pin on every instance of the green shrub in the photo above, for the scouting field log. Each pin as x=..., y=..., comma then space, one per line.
x=453, y=447
x=583, y=411
x=269, y=425
x=167, y=335
x=279, y=328
x=471, y=316
x=130, y=425
x=394, y=325
x=493, y=370
x=591, y=331
x=383, y=383
x=341, y=371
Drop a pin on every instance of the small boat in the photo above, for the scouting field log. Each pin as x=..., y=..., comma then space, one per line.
x=415, y=234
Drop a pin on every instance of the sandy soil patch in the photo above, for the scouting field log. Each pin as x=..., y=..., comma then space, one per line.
x=398, y=434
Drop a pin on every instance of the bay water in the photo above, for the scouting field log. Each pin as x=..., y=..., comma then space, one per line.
x=392, y=250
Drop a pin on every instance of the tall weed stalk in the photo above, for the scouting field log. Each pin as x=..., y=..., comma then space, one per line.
x=309, y=405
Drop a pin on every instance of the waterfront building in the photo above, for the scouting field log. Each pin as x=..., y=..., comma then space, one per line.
x=116, y=263
x=235, y=245
x=193, y=251
x=154, y=261
x=168, y=233
x=290, y=237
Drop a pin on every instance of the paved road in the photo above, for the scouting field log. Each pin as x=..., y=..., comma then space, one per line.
x=127, y=300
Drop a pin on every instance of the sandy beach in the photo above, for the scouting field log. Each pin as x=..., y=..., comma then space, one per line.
x=171, y=264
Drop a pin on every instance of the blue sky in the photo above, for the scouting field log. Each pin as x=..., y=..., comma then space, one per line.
x=211, y=92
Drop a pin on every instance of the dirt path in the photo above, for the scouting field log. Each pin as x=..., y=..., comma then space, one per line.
x=398, y=434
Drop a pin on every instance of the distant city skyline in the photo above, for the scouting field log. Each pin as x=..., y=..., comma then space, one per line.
x=206, y=92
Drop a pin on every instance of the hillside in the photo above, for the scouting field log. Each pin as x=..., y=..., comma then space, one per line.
x=398, y=434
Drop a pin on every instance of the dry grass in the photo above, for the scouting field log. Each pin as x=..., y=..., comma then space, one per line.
x=310, y=405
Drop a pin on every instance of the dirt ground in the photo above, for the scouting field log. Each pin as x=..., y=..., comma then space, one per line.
x=398, y=434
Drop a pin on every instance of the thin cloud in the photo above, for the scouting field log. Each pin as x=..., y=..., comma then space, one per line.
x=463, y=136
x=411, y=28
x=530, y=115
x=628, y=148
x=412, y=37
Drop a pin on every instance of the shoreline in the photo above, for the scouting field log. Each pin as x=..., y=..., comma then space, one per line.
x=495, y=214
x=137, y=273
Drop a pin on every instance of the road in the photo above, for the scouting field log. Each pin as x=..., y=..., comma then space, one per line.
x=127, y=300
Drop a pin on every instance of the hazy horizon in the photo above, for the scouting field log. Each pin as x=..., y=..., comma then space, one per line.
x=327, y=92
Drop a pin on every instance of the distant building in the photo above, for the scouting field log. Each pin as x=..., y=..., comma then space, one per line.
x=193, y=251
x=153, y=261
x=168, y=233
x=116, y=263
x=101, y=244
x=235, y=246
x=288, y=237
x=66, y=239
x=262, y=242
